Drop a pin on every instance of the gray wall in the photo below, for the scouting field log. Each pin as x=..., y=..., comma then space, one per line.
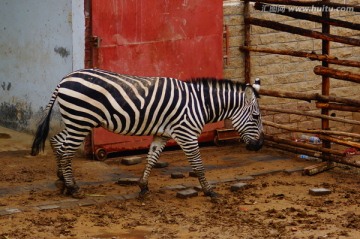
x=40, y=42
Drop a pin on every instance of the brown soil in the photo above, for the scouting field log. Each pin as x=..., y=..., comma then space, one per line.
x=275, y=205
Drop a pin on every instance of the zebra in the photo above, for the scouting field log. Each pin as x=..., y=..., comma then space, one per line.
x=160, y=106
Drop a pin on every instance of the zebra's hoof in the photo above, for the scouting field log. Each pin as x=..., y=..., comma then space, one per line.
x=215, y=197
x=78, y=195
x=60, y=184
x=143, y=193
x=75, y=192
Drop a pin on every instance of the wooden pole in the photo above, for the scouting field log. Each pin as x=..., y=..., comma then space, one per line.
x=305, y=16
x=305, y=113
x=337, y=74
x=311, y=131
x=300, y=31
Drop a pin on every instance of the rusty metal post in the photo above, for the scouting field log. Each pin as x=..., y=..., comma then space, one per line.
x=247, y=41
x=325, y=79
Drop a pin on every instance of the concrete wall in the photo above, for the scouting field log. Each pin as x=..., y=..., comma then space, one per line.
x=287, y=73
x=40, y=42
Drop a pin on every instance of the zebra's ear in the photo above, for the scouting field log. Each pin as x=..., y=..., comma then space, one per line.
x=249, y=93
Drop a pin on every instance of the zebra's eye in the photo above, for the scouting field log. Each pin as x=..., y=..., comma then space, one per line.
x=256, y=117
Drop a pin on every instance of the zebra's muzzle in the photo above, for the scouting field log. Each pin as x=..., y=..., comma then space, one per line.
x=255, y=145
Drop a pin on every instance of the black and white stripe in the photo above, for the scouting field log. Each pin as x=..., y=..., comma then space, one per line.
x=132, y=105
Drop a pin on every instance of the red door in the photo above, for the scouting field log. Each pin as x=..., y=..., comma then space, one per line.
x=174, y=38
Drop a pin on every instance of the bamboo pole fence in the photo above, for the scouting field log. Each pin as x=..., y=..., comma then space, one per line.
x=323, y=101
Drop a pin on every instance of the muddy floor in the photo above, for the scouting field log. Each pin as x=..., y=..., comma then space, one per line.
x=274, y=204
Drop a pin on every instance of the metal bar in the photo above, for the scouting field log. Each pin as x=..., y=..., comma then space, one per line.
x=311, y=131
x=302, y=145
x=331, y=106
x=337, y=74
x=300, y=31
x=247, y=42
x=226, y=36
x=325, y=86
x=305, y=113
x=343, y=160
x=305, y=16
x=354, y=8
x=309, y=97
x=339, y=141
x=311, y=56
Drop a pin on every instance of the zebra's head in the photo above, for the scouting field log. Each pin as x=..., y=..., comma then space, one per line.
x=247, y=120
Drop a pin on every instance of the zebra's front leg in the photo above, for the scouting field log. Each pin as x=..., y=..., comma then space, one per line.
x=156, y=148
x=192, y=152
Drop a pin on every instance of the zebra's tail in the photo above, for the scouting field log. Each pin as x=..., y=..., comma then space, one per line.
x=43, y=128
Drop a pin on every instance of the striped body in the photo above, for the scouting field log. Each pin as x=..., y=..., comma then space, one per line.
x=163, y=107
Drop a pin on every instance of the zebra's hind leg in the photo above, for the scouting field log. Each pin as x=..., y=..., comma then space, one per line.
x=66, y=153
x=56, y=142
x=156, y=148
x=192, y=152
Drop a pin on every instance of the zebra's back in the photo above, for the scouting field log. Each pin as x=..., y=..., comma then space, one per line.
x=123, y=104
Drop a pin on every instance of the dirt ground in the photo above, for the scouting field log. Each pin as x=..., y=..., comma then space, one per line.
x=274, y=205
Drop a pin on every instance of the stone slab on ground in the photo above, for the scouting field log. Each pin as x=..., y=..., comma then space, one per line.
x=9, y=211
x=131, y=160
x=174, y=187
x=294, y=170
x=267, y=172
x=161, y=164
x=188, y=193
x=319, y=191
x=177, y=175
x=192, y=174
x=128, y=181
x=238, y=186
x=48, y=207
x=245, y=178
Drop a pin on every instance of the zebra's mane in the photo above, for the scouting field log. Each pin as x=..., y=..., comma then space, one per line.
x=213, y=80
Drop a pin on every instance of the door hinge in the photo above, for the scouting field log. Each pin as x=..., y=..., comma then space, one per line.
x=95, y=41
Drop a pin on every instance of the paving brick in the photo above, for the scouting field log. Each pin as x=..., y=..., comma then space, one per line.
x=48, y=207
x=188, y=193
x=192, y=174
x=293, y=170
x=128, y=181
x=245, y=178
x=238, y=186
x=86, y=202
x=267, y=172
x=319, y=191
x=177, y=175
x=174, y=187
x=161, y=164
x=227, y=180
x=9, y=211
x=118, y=197
x=130, y=196
x=131, y=160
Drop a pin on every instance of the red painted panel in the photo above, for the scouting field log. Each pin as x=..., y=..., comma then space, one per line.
x=175, y=38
